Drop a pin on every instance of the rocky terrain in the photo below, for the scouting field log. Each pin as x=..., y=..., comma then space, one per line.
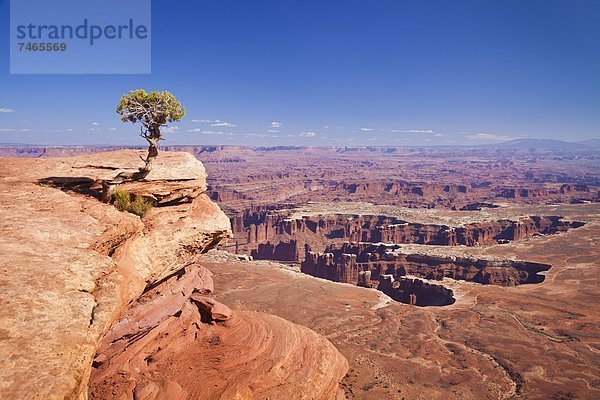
x=102, y=303
x=531, y=341
x=359, y=263
x=497, y=247
x=174, y=336
x=434, y=177
x=406, y=273
x=289, y=231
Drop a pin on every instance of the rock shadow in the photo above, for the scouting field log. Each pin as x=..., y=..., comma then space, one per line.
x=79, y=184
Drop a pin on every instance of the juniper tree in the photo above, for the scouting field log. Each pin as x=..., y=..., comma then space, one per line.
x=152, y=110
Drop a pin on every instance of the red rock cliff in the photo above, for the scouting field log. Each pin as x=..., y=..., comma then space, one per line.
x=348, y=261
x=264, y=226
x=76, y=271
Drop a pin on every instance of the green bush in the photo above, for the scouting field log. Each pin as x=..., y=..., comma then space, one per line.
x=121, y=199
x=139, y=205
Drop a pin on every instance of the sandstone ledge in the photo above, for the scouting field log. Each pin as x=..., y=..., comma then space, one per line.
x=72, y=267
x=71, y=264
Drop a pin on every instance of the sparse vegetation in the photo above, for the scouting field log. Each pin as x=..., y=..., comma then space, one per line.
x=140, y=206
x=121, y=200
x=136, y=204
x=153, y=110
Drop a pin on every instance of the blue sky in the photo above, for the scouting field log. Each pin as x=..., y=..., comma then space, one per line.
x=377, y=72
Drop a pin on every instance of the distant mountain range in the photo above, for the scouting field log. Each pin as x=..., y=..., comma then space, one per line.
x=548, y=144
x=525, y=143
x=595, y=143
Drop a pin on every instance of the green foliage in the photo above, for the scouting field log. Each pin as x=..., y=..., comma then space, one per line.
x=121, y=200
x=151, y=109
x=138, y=206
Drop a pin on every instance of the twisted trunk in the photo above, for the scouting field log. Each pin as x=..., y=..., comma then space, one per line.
x=109, y=186
x=152, y=139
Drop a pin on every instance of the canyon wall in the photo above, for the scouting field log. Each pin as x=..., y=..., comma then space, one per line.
x=282, y=251
x=276, y=229
x=347, y=262
x=415, y=291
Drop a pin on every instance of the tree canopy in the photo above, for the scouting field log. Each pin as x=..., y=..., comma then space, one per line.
x=152, y=109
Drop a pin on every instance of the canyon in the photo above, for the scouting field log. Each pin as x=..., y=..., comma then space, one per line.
x=321, y=273
x=346, y=262
x=496, y=248
x=530, y=341
x=385, y=267
x=290, y=234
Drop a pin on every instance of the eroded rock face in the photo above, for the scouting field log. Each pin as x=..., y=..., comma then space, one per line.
x=415, y=291
x=176, y=342
x=282, y=251
x=276, y=235
x=71, y=264
x=346, y=262
x=178, y=178
x=75, y=269
x=211, y=310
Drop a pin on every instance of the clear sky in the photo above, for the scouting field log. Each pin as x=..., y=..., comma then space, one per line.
x=336, y=72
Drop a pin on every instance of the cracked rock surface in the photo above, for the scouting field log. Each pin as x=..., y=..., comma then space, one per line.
x=71, y=264
x=89, y=291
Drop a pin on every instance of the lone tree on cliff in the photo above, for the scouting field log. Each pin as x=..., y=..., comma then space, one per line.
x=152, y=110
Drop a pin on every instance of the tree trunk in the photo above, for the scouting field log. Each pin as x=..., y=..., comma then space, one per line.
x=152, y=139
x=108, y=187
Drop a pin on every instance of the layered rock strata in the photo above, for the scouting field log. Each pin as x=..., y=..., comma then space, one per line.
x=277, y=237
x=346, y=262
x=175, y=342
x=282, y=251
x=75, y=269
x=415, y=292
